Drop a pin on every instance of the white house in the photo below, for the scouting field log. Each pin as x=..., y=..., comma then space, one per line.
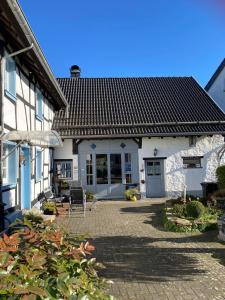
x=216, y=86
x=161, y=134
x=29, y=97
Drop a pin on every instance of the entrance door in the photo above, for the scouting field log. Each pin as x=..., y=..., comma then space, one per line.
x=25, y=178
x=155, y=178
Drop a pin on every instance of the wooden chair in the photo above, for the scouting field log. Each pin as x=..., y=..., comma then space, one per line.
x=77, y=199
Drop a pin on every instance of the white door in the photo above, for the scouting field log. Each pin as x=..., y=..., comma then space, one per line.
x=155, y=178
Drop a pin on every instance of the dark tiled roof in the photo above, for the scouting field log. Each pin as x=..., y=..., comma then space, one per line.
x=137, y=107
x=215, y=75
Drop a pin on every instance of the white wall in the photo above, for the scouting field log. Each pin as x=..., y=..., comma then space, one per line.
x=174, y=149
x=21, y=115
x=217, y=90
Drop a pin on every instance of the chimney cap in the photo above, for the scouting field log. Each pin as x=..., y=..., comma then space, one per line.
x=75, y=71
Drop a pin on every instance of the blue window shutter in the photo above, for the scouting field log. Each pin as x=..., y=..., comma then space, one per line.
x=39, y=105
x=12, y=163
x=11, y=77
x=38, y=164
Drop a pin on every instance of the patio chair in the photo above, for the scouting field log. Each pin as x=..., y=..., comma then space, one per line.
x=49, y=196
x=77, y=199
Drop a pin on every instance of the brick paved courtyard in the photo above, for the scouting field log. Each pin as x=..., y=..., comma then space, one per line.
x=144, y=261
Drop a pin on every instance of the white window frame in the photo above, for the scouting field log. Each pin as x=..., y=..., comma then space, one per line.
x=37, y=151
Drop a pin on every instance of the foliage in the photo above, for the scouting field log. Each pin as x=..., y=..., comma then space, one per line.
x=90, y=196
x=130, y=194
x=179, y=210
x=34, y=218
x=49, y=208
x=195, y=209
x=220, y=174
x=40, y=261
x=219, y=193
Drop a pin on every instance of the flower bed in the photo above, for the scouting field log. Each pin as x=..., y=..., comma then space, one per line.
x=40, y=261
x=193, y=216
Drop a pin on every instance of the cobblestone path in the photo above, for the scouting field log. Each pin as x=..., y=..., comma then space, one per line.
x=146, y=262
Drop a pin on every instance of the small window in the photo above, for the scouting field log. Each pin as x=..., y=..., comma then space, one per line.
x=63, y=169
x=39, y=105
x=153, y=168
x=89, y=169
x=9, y=163
x=192, y=141
x=10, y=78
x=128, y=168
x=192, y=162
x=38, y=161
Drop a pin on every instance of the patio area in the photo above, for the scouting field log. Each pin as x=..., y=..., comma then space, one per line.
x=146, y=262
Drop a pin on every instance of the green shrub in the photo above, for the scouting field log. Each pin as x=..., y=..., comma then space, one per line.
x=220, y=174
x=34, y=218
x=49, y=208
x=90, y=196
x=179, y=210
x=43, y=262
x=130, y=193
x=195, y=209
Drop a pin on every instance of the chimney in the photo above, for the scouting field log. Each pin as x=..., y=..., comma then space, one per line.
x=75, y=71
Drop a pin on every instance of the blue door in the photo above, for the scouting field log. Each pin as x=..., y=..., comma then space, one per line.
x=25, y=178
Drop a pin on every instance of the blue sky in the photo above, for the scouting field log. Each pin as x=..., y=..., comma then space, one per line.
x=130, y=38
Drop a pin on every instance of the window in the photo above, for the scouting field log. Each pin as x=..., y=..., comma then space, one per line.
x=63, y=169
x=89, y=169
x=128, y=168
x=9, y=165
x=192, y=162
x=115, y=168
x=38, y=161
x=192, y=141
x=101, y=169
x=153, y=168
x=39, y=105
x=10, y=78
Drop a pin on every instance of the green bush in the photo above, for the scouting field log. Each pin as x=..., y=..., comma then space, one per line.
x=90, y=196
x=220, y=174
x=130, y=193
x=179, y=210
x=195, y=209
x=49, y=208
x=40, y=261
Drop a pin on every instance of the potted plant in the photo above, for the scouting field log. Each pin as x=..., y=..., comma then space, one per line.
x=49, y=208
x=90, y=196
x=132, y=194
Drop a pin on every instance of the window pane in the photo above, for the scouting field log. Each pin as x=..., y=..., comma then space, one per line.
x=63, y=169
x=38, y=164
x=89, y=169
x=115, y=168
x=192, y=162
x=128, y=178
x=101, y=169
x=11, y=76
x=127, y=162
x=39, y=105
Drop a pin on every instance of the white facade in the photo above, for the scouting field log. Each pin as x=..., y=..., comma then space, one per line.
x=170, y=151
x=217, y=90
x=19, y=113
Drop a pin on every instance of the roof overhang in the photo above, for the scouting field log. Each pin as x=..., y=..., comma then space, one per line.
x=44, y=139
x=15, y=28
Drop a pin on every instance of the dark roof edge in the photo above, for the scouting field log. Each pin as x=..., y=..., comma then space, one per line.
x=59, y=127
x=215, y=75
x=182, y=134
x=28, y=33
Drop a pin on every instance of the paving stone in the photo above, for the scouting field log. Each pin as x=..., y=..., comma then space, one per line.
x=145, y=261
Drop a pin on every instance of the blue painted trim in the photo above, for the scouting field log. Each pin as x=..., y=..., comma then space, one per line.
x=11, y=96
x=5, y=187
x=39, y=118
x=9, y=143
